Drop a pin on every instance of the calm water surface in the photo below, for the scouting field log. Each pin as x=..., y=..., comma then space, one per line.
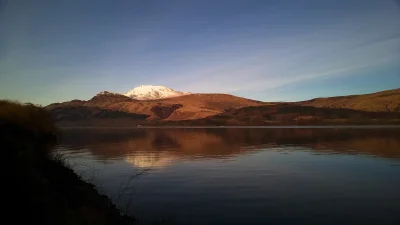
x=244, y=176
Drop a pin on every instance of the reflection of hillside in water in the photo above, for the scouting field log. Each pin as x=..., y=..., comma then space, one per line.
x=150, y=159
x=159, y=147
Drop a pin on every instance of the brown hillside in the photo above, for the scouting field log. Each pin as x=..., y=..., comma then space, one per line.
x=197, y=106
x=291, y=114
x=186, y=107
x=194, y=106
x=222, y=109
x=384, y=101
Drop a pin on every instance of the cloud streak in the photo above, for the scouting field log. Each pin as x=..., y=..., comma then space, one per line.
x=299, y=60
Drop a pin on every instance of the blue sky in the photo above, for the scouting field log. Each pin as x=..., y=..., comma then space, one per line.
x=270, y=50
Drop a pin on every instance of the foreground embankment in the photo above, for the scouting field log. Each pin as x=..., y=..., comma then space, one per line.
x=40, y=188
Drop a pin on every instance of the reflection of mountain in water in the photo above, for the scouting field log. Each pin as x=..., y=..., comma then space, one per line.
x=150, y=160
x=159, y=147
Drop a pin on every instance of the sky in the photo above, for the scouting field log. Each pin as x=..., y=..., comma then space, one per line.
x=269, y=50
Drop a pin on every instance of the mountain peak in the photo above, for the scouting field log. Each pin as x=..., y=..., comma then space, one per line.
x=149, y=92
x=107, y=93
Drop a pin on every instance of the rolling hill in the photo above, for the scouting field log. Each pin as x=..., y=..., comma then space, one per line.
x=187, y=107
x=107, y=108
x=292, y=114
x=384, y=101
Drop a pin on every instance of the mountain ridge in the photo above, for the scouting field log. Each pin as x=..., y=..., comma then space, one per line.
x=225, y=109
x=388, y=100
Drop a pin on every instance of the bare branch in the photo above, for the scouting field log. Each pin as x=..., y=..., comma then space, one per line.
x=122, y=192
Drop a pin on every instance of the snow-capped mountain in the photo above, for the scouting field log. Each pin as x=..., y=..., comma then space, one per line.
x=107, y=93
x=149, y=92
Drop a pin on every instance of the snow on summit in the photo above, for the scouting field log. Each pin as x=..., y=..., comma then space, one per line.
x=149, y=92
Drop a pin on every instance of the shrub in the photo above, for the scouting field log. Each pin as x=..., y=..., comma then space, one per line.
x=27, y=125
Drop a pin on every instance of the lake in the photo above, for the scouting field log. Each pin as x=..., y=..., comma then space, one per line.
x=291, y=175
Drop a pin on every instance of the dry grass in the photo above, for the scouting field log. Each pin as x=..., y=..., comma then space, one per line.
x=31, y=117
x=376, y=102
x=26, y=124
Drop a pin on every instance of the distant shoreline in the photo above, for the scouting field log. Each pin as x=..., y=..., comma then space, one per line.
x=243, y=127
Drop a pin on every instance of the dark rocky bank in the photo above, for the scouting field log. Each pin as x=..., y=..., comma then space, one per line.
x=40, y=188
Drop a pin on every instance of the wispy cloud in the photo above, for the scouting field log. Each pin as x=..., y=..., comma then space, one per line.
x=270, y=64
